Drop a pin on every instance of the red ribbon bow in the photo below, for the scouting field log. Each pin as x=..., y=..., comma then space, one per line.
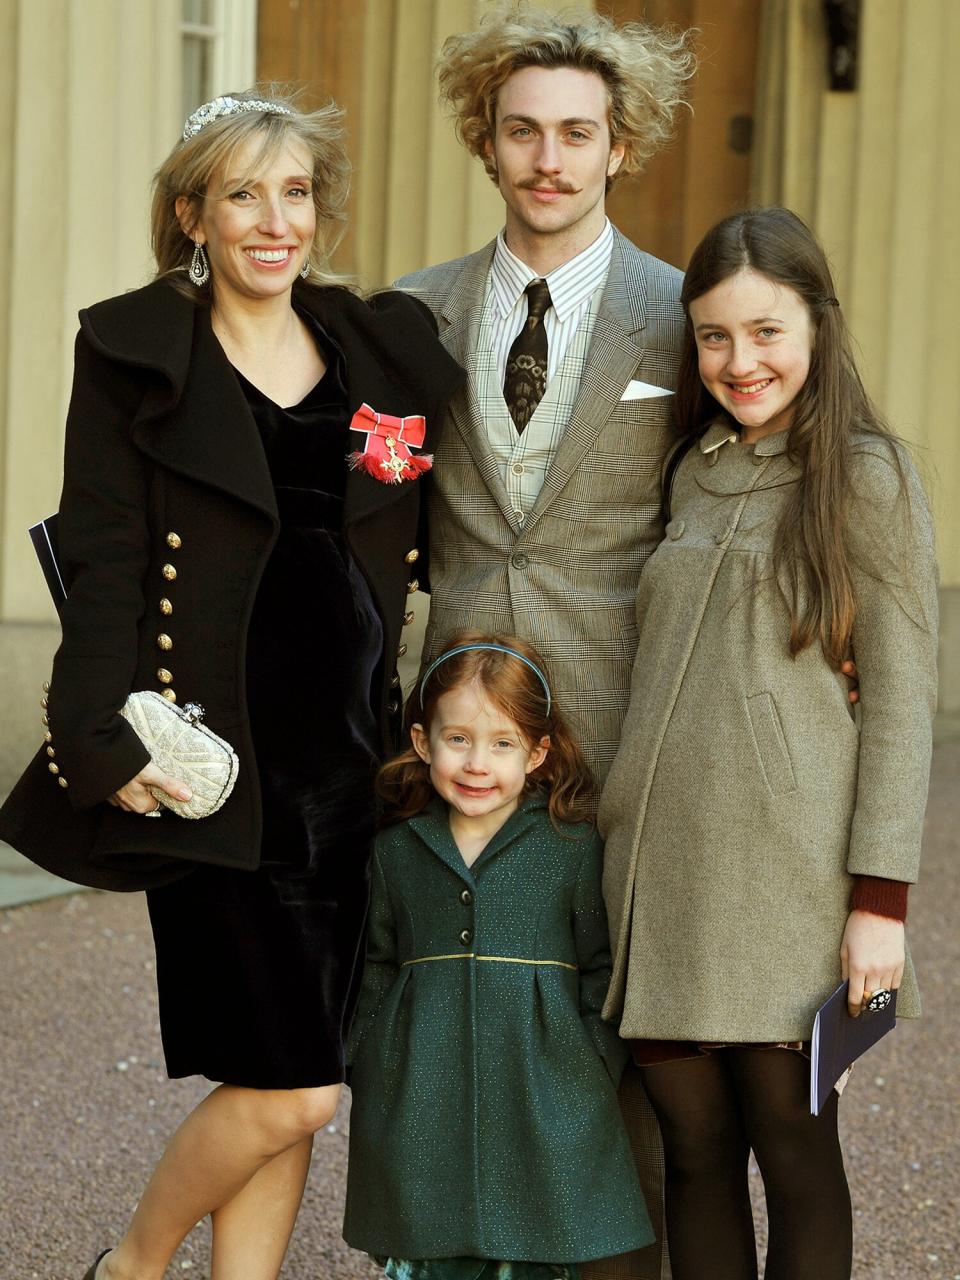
x=386, y=455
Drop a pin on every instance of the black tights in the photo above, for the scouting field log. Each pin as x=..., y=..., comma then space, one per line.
x=712, y=1110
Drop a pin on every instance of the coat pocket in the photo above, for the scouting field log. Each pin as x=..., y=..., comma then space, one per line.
x=771, y=744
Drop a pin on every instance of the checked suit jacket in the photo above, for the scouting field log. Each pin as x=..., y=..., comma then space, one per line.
x=567, y=579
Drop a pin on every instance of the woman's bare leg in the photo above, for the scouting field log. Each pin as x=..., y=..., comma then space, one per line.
x=251, y=1232
x=209, y=1161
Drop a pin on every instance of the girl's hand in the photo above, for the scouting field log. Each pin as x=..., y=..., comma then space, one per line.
x=135, y=798
x=871, y=956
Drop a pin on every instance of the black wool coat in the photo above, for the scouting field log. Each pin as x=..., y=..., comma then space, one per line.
x=167, y=519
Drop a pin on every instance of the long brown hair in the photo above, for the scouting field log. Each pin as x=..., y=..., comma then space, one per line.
x=811, y=554
x=404, y=783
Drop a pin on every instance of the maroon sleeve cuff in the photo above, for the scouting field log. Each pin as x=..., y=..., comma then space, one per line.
x=880, y=897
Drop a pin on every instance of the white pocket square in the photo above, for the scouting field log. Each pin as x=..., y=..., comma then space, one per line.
x=643, y=391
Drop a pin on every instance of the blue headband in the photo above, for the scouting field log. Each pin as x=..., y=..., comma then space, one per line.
x=493, y=648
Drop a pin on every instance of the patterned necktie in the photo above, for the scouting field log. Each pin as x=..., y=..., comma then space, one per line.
x=526, y=376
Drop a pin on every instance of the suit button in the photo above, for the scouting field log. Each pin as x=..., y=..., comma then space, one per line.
x=164, y=642
x=63, y=782
x=412, y=586
x=53, y=768
x=50, y=752
x=174, y=541
x=163, y=675
x=395, y=681
x=466, y=937
x=520, y=561
x=168, y=694
x=401, y=651
x=44, y=703
x=48, y=736
x=45, y=720
x=412, y=556
x=46, y=686
x=393, y=707
x=408, y=617
x=166, y=608
x=466, y=897
x=169, y=572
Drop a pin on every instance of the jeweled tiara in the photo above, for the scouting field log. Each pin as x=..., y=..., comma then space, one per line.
x=227, y=106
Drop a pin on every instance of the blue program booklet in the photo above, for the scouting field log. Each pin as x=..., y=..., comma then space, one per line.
x=838, y=1040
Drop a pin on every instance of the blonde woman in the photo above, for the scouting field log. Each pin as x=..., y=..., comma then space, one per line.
x=238, y=529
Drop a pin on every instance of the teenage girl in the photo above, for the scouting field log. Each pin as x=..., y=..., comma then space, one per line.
x=485, y=1137
x=760, y=839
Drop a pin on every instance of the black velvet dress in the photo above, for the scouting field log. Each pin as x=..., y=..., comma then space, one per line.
x=257, y=970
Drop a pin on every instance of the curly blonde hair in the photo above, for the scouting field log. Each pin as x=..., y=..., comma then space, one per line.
x=191, y=165
x=645, y=69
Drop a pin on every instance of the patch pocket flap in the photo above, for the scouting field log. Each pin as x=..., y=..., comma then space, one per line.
x=771, y=743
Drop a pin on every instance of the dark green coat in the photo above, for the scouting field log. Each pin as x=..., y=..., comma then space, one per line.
x=485, y=1119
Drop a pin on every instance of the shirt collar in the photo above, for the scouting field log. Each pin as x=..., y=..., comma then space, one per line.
x=570, y=284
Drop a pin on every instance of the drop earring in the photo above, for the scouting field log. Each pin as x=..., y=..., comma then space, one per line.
x=305, y=270
x=199, y=265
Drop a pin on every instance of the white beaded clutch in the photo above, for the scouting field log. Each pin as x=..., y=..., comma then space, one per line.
x=184, y=748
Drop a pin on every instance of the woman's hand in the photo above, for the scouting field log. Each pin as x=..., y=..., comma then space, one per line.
x=135, y=797
x=871, y=956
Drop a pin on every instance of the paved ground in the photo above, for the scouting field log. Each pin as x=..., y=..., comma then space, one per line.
x=86, y=1107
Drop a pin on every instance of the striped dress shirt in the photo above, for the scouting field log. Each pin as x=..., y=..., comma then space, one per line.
x=571, y=285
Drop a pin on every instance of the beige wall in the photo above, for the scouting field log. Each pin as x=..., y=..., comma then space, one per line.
x=95, y=104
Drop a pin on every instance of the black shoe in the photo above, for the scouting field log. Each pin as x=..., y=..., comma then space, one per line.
x=92, y=1273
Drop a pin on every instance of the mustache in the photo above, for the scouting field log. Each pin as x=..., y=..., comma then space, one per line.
x=558, y=184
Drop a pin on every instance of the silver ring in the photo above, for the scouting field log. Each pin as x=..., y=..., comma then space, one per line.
x=154, y=813
x=879, y=1000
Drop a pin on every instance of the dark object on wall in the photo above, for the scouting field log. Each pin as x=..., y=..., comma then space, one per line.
x=843, y=32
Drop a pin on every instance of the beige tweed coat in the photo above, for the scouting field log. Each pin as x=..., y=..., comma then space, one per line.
x=745, y=791
x=567, y=580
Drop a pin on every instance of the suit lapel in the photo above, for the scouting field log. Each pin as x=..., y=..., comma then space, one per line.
x=614, y=356
x=460, y=318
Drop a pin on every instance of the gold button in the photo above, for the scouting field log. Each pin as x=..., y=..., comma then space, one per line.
x=168, y=694
x=174, y=541
x=63, y=782
x=46, y=686
x=166, y=608
x=401, y=651
x=44, y=703
x=48, y=736
x=50, y=752
x=169, y=572
x=164, y=642
x=412, y=586
x=408, y=618
x=53, y=768
x=393, y=707
x=395, y=682
x=44, y=720
x=163, y=675
x=412, y=556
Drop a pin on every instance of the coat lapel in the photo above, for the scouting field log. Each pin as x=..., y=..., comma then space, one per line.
x=460, y=319
x=614, y=356
x=209, y=434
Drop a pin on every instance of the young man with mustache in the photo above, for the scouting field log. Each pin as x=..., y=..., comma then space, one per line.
x=545, y=498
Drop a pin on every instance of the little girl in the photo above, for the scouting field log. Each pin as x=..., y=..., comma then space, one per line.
x=760, y=840
x=485, y=1137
